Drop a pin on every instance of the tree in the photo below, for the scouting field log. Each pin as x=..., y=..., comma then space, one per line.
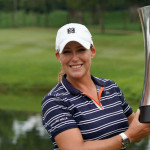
x=15, y=20
x=97, y=9
x=48, y=7
x=122, y=6
x=133, y=7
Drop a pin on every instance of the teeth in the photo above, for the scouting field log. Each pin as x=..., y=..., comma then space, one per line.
x=76, y=66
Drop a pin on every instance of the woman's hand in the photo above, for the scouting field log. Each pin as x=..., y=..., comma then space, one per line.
x=137, y=131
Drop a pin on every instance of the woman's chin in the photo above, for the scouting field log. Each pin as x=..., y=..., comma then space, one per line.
x=75, y=76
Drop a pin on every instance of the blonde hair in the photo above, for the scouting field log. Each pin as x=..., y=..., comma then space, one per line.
x=60, y=75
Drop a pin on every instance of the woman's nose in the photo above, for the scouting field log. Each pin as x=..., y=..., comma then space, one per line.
x=75, y=57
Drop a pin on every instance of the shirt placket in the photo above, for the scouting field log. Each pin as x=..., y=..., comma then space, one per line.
x=99, y=105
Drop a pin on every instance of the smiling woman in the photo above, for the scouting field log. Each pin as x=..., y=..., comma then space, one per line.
x=83, y=111
x=76, y=61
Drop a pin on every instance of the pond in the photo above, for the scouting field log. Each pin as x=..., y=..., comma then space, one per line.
x=22, y=131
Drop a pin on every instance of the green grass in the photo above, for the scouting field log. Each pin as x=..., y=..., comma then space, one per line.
x=28, y=67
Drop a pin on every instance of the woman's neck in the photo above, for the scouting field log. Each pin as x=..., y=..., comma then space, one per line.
x=83, y=84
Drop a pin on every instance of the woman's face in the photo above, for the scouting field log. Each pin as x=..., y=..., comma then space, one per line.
x=76, y=60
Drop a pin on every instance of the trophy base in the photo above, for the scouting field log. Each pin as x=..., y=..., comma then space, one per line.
x=144, y=114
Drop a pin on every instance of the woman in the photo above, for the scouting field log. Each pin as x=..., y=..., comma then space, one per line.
x=84, y=112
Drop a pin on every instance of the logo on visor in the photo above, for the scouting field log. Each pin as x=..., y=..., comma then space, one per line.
x=71, y=30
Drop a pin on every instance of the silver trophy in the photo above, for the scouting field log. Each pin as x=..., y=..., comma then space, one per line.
x=144, y=14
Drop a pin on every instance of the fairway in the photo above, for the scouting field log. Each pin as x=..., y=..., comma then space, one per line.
x=28, y=67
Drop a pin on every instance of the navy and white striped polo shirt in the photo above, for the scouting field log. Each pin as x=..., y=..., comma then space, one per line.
x=65, y=107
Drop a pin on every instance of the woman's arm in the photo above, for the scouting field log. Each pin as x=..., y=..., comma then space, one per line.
x=72, y=139
x=131, y=117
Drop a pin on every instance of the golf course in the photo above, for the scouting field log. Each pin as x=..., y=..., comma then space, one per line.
x=28, y=66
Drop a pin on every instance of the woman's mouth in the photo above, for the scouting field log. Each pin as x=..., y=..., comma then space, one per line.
x=75, y=66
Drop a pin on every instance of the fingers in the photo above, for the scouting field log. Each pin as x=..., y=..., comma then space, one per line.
x=136, y=117
x=137, y=113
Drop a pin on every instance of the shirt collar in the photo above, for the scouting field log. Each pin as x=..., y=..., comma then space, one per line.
x=75, y=91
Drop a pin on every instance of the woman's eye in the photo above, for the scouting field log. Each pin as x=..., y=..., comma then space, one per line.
x=81, y=50
x=66, y=52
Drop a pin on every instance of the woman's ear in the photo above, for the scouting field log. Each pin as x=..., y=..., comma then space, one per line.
x=57, y=56
x=93, y=51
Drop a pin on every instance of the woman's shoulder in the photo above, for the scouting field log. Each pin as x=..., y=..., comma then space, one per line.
x=55, y=93
x=107, y=82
